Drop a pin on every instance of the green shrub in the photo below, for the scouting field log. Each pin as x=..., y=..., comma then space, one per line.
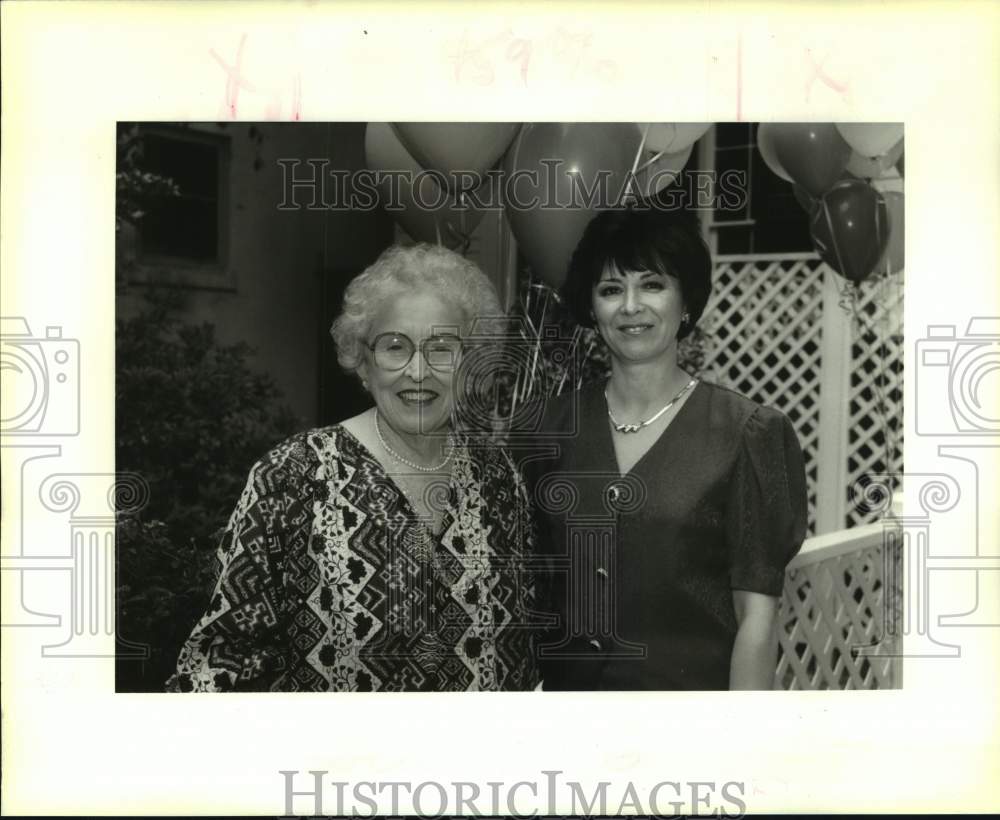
x=192, y=416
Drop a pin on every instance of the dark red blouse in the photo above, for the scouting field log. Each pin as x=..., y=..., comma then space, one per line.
x=643, y=565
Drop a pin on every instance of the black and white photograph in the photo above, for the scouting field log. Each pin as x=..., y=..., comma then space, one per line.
x=565, y=409
x=505, y=406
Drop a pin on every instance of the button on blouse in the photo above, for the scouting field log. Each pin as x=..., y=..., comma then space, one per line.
x=645, y=564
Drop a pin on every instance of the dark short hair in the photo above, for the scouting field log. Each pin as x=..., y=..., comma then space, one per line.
x=650, y=239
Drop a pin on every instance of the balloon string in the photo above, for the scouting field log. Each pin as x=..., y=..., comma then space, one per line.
x=888, y=439
x=888, y=434
x=526, y=307
x=571, y=358
x=879, y=384
x=538, y=337
x=642, y=144
x=635, y=163
x=652, y=160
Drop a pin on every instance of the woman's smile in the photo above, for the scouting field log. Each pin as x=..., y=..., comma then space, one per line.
x=635, y=328
x=638, y=313
x=417, y=397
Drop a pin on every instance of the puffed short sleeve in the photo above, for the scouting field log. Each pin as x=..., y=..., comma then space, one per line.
x=766, y=515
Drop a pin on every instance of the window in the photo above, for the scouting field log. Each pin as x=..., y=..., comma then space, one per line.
x=181, y=237
x=772, y=221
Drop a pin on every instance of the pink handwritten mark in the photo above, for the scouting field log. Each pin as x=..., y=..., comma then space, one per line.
x=818, y=74
x=478, y=62
x=236, y=82
x=469, y=58
x=297, y=98
x=519, y=51
x=571, y=44
x=234, y=78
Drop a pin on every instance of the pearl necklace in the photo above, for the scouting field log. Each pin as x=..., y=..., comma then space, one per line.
x=406, y=461
x=635, y=428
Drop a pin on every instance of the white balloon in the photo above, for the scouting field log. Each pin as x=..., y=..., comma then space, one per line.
x=765, y=145
x=662, y=172
x=673, y=137
x=871, y=139
x=875, y=167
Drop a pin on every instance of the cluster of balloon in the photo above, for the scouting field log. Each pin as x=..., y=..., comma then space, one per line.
x=548, y=203
x=667, y=149
x=655, y=152
x=855, y=228
x=850, y=228
x=448, y=146
x=432, y=211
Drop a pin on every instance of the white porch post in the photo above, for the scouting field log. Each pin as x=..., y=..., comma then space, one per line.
x=834, y=392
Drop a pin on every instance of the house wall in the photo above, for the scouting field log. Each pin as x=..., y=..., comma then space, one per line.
x=271, y=294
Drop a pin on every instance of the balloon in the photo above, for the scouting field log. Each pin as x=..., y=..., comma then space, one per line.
x=893, y=258
x=813, y=154
x=549, y=212
x=871, y=139
x=802, y=197
x=874, y=167
x=765, y=142
x=456, y=146
x=661, y=172
x=437, y=217
x=850, y=228
x=673, y=137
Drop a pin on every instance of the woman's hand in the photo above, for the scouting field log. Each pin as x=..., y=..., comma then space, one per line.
x=755, y=650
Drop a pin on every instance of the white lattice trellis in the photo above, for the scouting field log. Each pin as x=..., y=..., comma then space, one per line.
x=875, y=397
x=779, y=330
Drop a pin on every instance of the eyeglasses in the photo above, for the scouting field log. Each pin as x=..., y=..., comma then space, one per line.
x=393, y=351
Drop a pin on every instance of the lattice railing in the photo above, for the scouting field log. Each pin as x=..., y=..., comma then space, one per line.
x=783, y=330
x=838, y=613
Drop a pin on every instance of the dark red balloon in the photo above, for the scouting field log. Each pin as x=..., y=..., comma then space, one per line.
x=550, y=172
x=806, y=202
x=850, y=228
x=814, y=154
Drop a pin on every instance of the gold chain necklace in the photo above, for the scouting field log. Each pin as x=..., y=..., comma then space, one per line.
x=635, y=428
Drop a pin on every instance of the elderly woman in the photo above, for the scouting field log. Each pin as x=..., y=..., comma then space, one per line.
x=386, y=552
x=673, y=504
